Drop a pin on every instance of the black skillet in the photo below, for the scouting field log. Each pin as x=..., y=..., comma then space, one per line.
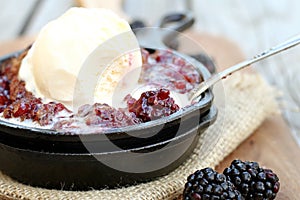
x=117, y=157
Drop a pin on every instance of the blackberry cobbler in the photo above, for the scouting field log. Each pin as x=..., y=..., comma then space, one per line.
x=162, y=69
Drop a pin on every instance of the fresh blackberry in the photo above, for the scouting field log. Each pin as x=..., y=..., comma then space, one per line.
x=253, y=181
x=207, y=184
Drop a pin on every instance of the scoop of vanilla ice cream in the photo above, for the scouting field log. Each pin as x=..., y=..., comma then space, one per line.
x=53, y=65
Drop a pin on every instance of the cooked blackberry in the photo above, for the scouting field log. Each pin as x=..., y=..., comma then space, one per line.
x=253, y=181
x=208, y=184
x=152, y=105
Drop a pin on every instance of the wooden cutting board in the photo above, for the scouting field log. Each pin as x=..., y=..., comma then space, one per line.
x=271, y=145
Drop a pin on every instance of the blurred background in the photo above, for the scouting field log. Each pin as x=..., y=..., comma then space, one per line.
x=253, y=25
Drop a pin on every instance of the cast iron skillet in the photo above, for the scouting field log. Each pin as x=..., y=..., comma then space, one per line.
x=117, y=157
x=46, y=158
x=125, y=138
x=140, y=135
x=136, y=136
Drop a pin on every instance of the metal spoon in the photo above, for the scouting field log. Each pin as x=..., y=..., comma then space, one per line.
x=195, y=93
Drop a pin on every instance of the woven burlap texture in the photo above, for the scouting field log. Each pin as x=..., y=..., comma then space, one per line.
x=248, y=101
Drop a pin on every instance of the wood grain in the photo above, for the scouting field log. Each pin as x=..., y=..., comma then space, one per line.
x=15, y=45
x=271, y=145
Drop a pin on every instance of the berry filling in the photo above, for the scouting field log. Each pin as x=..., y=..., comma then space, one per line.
x=161, y=68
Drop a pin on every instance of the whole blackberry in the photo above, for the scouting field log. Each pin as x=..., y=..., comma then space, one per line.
x=253, y=181
x=207, y=184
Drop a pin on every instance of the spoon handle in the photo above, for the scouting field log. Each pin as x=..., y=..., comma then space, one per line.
x=223, y=74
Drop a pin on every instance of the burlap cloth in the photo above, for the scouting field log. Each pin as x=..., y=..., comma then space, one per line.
x=248, y=101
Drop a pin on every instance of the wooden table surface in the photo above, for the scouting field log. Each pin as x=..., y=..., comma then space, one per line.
x=271, y=145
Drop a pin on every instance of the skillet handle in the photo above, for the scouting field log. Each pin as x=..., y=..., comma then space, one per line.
x=177, y=21
x=165, y=37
